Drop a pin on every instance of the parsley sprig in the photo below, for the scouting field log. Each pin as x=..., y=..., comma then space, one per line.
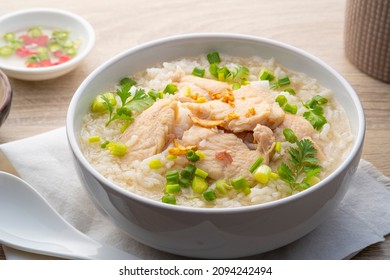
x=303, y=165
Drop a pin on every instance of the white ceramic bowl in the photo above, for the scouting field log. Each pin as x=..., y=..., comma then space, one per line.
x=215, y=233
x=47, y=18
x=5, y=97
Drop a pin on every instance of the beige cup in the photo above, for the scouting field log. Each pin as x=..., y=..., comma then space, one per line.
x=367, y=36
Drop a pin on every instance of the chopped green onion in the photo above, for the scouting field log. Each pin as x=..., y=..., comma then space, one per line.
x=214, y=70
x=54, y=46
x=9, y=36
x=312, y=180
x=188, y=171
x=155, y=164
x=117, y=149
x=242, y=73
x=104, y=144
x=315, y=101
x=6, y=51
x=94, y=139
x=263, y=174
x=209, y=195
x=281, y=100
x=199, y=184
x=290, y=91
x=199, y=72
x=213, y=57
x=172, y=188
x=98, y=102
x=169, y=199
x=266, y=74
x=171, y=157
x=236, y=86
x=184, y=182
x=60, y=34
x=222, y=186
x=192, y=156
x=125, y=125
x=154, y=94
x=289, y=135
x=34, y=31
x=290, y=108
x=274, y=175
x=246, y=190
x=201, y=173
x=284, y=81
x=240, y=183
x=256, y=164
x=170, y=88
x=278, y=147
x=172, y=177
x=223, y=73
x=200, y=154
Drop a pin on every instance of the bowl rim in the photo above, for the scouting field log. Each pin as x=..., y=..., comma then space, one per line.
x=89, y=41
x=6, y=101
x=355, y=150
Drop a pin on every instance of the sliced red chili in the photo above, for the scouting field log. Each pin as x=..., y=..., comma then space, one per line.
x=42, y=40
x=27, y=40
x=24, y=52
x=45, y=63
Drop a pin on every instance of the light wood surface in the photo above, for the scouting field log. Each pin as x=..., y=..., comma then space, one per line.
x=314, y=26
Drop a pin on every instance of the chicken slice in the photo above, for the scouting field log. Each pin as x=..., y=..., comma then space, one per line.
x=147, y=135
x=251, y=106
x=213, y=142
x=208, y=85
x=301, y=127
x=264, y=137
x=196, y=89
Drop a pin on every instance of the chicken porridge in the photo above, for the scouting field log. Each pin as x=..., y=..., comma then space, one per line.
x=216, y=131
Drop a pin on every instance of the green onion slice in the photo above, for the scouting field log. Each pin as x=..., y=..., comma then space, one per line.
x=213, y=57
x=192, y=156
x=289, y=135
x=256, y=164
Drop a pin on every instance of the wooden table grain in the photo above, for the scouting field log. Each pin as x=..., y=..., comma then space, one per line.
x=314, y=26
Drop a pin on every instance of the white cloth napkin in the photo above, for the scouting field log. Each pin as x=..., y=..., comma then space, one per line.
x=45, y=161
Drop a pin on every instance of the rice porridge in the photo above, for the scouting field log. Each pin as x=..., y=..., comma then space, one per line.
x=216, y=131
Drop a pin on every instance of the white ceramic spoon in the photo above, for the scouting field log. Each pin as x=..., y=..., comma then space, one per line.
x=29, y=223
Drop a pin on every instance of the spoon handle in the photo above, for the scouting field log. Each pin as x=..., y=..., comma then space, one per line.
x=30, y=224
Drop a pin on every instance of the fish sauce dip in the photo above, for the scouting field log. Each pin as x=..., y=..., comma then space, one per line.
x=216, y=131
x=38, y=46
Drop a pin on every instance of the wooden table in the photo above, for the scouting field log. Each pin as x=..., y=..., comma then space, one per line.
x=315, y=26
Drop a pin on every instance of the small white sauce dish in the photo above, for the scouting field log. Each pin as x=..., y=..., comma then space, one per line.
x=50, y=19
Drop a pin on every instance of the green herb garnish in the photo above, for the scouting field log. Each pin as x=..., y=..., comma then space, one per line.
x=213, y=57
x=137, y=101
x=303, y=165
x=315, y=114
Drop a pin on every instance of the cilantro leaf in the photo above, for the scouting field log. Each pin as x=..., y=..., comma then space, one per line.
x=110, y=107
x=286, y=173
x=140, y=101
x=316, y=117
x=315, y=113
x=124, y=92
